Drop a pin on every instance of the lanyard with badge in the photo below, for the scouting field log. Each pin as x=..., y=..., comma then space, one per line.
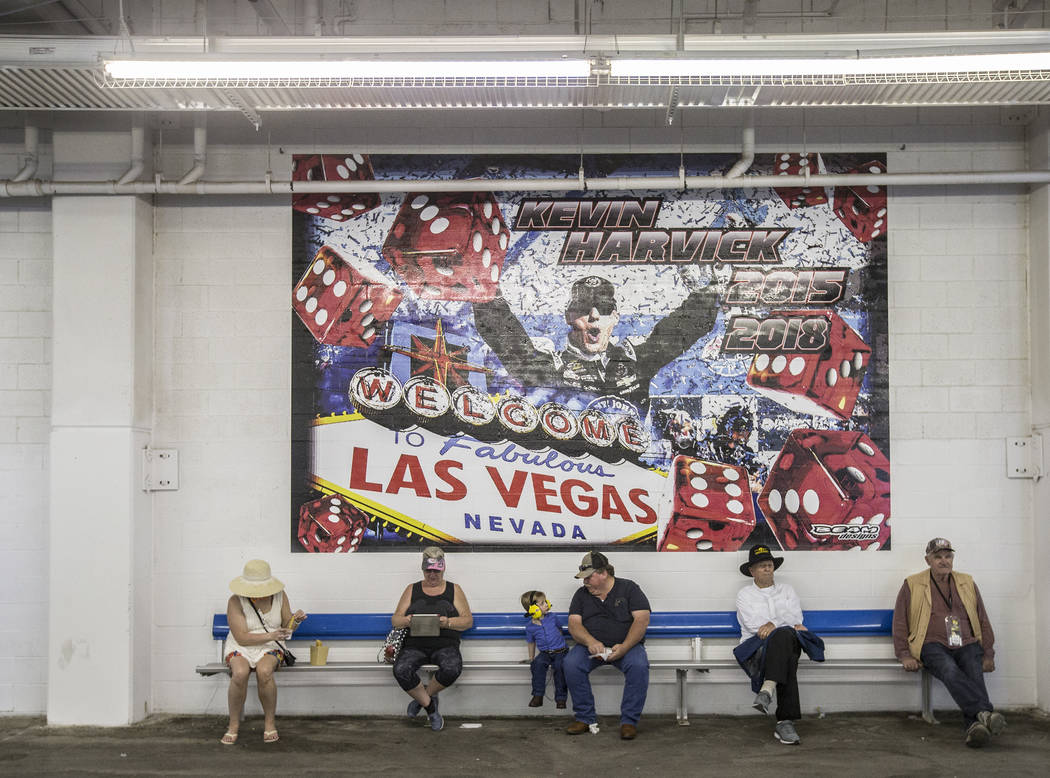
x=951, y=621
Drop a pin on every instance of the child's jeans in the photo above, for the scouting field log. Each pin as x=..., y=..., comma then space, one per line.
x=540, y=663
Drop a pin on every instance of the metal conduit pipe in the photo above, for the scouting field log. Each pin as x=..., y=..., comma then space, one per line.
x=32, y=156
x=12, y=188
x=200, y=153
x=747, y=148
x=137, y=163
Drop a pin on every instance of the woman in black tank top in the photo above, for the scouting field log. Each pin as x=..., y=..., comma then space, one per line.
x=432, y=595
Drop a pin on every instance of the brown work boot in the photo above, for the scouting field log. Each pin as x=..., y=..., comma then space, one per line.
x=536, y=701
x=560, y=704
x=628, y=732
x=577, y=728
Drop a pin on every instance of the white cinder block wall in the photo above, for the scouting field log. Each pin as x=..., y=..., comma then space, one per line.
x=959, y=386
x=25, y=382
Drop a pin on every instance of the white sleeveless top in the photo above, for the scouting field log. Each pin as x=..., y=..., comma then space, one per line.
x=271, y=621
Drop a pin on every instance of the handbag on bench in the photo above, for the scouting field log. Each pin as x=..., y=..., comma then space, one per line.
x=391, y=646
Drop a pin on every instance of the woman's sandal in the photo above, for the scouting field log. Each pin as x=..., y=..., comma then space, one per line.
x=271, y=736
x=229, y=739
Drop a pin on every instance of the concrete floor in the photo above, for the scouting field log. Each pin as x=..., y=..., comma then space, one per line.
x=856, y=744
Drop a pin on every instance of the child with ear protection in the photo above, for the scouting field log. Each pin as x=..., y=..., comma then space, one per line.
x=546, y=648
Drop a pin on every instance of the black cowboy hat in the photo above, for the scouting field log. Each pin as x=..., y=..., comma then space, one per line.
x=760, y=554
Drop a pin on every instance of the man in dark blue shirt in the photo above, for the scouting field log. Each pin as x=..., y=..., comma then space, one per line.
x=608, y=617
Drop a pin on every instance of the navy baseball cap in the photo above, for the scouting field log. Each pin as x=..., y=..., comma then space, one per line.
x=593, y=292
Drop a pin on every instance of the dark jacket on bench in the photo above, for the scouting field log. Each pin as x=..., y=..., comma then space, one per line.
x=751, y=654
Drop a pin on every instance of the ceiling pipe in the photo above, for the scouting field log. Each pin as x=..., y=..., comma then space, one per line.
x=36, y=188
x=200, y=152
x=32, y=155
x=137, y=158
x=313, y=21
x=747, y=148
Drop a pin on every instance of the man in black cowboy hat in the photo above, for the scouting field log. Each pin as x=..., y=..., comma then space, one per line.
x=939, y=622
x=772, y=636
x=593, y=360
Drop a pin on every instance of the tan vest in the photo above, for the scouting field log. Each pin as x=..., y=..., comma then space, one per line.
x=922, y=605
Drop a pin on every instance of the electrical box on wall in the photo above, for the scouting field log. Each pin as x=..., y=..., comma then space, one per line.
x=1024, y=457
x=160, y=469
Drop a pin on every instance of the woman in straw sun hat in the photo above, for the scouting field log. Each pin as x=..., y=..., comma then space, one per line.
x=259, y=615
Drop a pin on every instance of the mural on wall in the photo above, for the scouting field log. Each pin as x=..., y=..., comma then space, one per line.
x=664, y=371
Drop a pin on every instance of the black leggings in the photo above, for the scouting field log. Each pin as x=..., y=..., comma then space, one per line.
x=447, y=658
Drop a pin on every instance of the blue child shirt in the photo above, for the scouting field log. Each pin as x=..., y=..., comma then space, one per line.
x=546, y=635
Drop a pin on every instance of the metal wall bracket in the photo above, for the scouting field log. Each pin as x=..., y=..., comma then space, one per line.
x=1024, y=457
x=160, y=469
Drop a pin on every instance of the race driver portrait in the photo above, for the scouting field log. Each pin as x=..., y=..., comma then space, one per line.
x=593, y=361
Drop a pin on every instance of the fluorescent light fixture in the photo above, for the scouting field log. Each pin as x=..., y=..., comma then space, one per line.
x=870, y=66
x=237, y=70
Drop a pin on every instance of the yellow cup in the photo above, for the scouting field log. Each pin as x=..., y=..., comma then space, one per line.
x=318, y=654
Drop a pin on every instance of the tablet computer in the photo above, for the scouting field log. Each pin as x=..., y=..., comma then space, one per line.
x=425, y=625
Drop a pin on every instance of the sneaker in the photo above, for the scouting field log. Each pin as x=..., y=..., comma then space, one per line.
x=993, y=720
x=436, y=722
x=762, y=702
x=977, y=736
x=413, y=709
x=786, y=734
x=536, y=701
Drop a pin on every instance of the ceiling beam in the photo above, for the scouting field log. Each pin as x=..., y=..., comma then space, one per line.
x=271, y=19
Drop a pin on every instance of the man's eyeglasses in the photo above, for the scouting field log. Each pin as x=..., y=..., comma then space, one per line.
x=604, y=307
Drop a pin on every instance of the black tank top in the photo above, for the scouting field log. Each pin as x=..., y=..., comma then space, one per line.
x=442, y=604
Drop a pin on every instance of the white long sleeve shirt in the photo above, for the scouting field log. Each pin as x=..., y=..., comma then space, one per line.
x=777, y=603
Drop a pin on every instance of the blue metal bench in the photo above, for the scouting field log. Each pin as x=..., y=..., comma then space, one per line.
x=511, y=626
x=329, y=627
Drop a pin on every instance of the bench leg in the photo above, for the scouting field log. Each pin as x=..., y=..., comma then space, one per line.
x=927, y=698
x=683, y=712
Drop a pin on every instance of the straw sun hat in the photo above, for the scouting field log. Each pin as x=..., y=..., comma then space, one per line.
x=256, y=581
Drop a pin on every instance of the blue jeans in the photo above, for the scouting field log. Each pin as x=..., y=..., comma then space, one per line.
x=635, y=668
x=540, y=663
x=959, y=669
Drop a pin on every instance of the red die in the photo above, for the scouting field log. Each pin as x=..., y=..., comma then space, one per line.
x=449, y=246
x=828, y=489
x=862, y=208
x=822, y=383
x=334, y=167
x=795, y=165
x=711, y=507
x=341, y=303
x=330, y=525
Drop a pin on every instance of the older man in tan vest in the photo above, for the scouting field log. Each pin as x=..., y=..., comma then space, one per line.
x=939, y=622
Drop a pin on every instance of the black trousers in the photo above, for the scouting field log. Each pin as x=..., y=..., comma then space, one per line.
x=782, y=653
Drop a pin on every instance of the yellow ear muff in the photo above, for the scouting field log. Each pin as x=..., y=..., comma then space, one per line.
x=535, y=612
